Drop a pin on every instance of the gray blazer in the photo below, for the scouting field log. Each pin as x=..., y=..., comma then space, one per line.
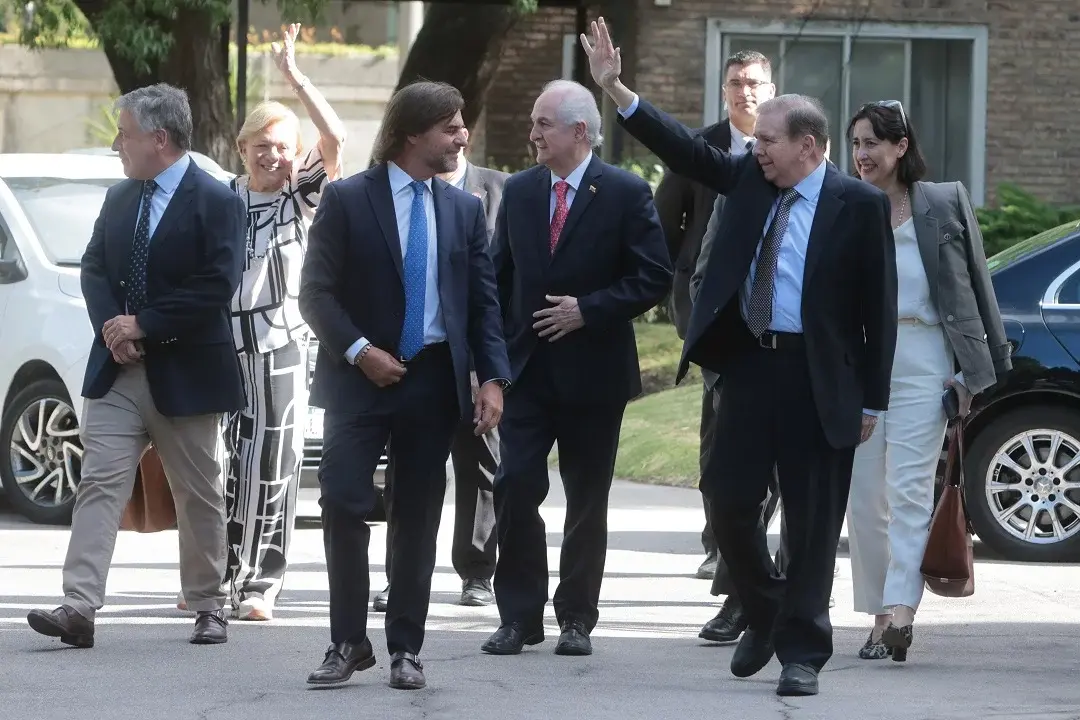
x=486, y=184
x=951, y=247
x=707, y=241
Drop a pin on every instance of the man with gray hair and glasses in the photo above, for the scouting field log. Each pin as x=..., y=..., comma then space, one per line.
x=158, y=274
x=569, y=293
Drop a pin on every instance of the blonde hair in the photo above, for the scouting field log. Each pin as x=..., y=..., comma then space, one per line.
x=263, y=116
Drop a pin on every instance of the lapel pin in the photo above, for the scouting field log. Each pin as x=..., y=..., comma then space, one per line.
x=592, y=188
x=948, y=236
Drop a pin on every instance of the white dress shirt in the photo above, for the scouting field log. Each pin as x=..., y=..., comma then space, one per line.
x=573, y=180
x=400, y=190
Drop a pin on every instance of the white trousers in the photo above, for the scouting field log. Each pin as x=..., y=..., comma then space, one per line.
x=892, y=482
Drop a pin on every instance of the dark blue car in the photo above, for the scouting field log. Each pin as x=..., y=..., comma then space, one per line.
x=1022, y=466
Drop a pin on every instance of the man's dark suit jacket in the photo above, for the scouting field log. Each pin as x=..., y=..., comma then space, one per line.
x=195, y=262
x=610, y=255
x=352, y=286
x=684, y=206
x=486, y=184
x=849, y=282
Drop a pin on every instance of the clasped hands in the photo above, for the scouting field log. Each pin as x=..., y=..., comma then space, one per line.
x=121, y=336
x=384, y=370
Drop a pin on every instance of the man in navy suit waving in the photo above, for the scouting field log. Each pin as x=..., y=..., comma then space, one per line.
x=399, y=288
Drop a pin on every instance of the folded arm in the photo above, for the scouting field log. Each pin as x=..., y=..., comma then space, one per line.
x=201, y=296
x=485, y=328
x=101, y=304
x=321, y=279
x=878, y=305
x=646, y=267
x=996, y=340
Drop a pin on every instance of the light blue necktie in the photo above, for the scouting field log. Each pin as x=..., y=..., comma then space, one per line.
x=415, y=266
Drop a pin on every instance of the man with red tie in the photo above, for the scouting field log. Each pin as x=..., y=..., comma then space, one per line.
x=578, y=253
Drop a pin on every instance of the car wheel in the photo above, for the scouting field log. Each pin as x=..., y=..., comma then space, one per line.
x=1022, y=485
x=41, y=452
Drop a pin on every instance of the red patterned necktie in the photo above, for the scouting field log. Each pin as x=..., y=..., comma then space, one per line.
x=561, y=211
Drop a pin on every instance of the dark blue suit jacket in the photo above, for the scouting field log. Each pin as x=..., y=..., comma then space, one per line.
x=195, y=261
x=352, y=286
x=611, y=256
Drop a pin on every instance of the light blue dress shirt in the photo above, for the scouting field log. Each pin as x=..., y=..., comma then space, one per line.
x=788, y=280
x=167, y=182
x=402, y=193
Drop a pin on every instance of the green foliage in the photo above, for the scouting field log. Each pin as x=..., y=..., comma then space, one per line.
x=1018, y=215
x=650, y=171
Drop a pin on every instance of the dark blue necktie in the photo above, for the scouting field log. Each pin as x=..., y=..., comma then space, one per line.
x=136, y=280
x=415, y=267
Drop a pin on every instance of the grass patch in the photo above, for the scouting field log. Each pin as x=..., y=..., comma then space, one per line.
x=659, y=349
x=659, y=441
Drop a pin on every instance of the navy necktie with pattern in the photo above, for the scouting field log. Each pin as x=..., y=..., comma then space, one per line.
x=761, y=292
x=136, y=280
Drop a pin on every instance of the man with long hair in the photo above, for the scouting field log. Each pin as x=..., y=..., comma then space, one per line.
x=400, y=291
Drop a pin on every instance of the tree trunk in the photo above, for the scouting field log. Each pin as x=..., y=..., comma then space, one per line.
x=460, y=44
x=198, y=62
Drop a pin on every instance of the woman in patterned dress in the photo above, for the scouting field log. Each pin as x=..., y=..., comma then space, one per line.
x=264, y=441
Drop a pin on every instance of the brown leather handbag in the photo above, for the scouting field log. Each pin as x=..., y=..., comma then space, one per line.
x=151, y=508
x=948, y=565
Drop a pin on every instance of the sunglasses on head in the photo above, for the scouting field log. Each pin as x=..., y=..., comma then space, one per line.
x=892, y=105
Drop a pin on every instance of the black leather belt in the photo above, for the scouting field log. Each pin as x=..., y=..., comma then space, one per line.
x=425, y=351
x=771, y=340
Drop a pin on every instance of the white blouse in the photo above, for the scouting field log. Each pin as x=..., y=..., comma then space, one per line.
x=913, y=287
x=265, y=312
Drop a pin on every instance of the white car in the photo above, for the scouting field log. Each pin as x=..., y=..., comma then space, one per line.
x=48, y=205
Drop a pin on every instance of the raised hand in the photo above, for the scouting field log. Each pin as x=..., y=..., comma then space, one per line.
x=605, y=60
x=284, y=53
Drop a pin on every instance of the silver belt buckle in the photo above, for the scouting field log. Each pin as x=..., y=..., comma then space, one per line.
x=767, y=340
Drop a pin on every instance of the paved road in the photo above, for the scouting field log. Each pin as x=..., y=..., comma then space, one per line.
x=1009, y=652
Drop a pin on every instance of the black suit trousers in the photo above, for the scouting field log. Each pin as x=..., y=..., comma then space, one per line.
x=588, y=438
x=418, y=415
x=475, y=462
x=767, y=418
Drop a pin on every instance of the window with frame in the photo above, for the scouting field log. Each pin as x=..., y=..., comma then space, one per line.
x=938, y=74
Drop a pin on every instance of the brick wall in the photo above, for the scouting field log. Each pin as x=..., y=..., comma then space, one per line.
x=531, y=57
x=1033, y=96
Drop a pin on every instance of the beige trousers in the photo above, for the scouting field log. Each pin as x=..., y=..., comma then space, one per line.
x=116, y=430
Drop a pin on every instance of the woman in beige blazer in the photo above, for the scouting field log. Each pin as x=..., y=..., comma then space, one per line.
x=949, y=334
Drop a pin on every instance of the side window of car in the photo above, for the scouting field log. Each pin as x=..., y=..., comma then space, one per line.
x=8, y=251
x=1069, y=293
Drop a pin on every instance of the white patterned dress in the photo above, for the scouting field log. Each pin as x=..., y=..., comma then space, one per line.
x=265, y=440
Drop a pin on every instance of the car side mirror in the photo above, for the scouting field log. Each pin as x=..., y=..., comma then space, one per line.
x=12, y=271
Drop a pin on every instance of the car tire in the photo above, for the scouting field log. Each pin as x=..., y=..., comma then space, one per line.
x=981, y=454
x=63, y=452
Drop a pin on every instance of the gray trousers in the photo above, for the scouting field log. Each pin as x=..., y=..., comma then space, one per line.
x=116, y=430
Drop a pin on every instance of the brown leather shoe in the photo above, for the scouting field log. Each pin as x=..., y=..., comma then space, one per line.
x=63, y=622
x=210, y=628
x=341, y=661
x=406, y=672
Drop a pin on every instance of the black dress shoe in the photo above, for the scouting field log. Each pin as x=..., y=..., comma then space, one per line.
x=63, y=622
x=381, y=599
x=210, y=628
x=797, y=679
x=511, y=639
x=574, y=640
x=753, y=652
x=406, y=672
x=341, y=661
x=476, y=593
x=728, y=624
